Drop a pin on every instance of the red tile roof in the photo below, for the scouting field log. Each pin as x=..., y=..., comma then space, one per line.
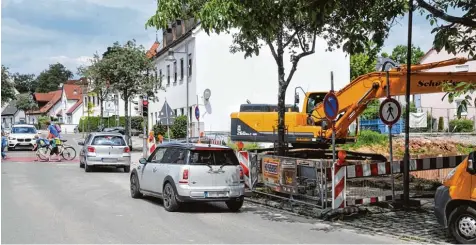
x=52, y=97
x=153, y=50
x=70, y=91
x=75, y=106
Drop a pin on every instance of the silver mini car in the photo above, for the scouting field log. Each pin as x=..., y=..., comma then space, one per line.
x=104, y=149
x=181, y=172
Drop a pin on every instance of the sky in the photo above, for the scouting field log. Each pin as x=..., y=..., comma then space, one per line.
x=36, y=33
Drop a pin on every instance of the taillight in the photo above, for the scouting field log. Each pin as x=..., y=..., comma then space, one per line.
x=242, y=176
x=185, y=174
x=91, y=149
x=126, y=149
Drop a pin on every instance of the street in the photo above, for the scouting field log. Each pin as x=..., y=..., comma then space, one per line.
x=51, y=202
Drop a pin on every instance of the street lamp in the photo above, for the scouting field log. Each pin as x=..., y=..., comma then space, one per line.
x=171, y=57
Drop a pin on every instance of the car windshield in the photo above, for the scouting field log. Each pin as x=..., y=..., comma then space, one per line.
x=111, y=140
x=24, y=130
x=213, y=157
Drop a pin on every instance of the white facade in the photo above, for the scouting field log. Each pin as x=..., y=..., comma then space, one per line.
x=433, y=103
x=233, y=80
x=10, y=120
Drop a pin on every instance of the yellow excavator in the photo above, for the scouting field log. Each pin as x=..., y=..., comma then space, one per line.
x=310, y=128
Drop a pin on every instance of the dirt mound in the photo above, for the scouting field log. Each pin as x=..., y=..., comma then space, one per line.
x=419, y=147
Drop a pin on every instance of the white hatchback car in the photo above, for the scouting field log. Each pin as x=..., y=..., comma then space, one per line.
x=181, y=172
x=22, y=136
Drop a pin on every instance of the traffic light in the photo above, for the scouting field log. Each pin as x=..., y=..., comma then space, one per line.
x=145, y=108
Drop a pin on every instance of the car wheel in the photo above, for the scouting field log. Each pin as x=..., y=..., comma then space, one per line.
x=127, y=169
x=462, y=224
x=169, y=199
x=87, y=168
x=135, y=187
x=235, y=205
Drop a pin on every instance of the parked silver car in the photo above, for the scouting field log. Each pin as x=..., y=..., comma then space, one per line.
x=181, y=172
x=104, y=149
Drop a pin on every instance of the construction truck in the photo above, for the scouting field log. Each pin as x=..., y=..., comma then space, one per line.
x=455, y=201
x=309, y=128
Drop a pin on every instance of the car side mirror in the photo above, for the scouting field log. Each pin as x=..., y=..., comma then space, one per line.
x=296, y=98
x=81, y=142
x=471, y=160
x=142, y=161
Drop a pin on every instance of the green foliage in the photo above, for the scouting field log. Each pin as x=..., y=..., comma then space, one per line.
x=361, y=64
x=42, y=121
x=431, y=121
x=413, y=109
x=369, y=137
x=8, y=90
x=179, y=128
x=25, y=103
x=459, y=89
x=399, y=54
x=462, y=125
x=50, y=79
x=25, y=83
x=94, y=122
x=371, y=112
x=161, y=129
x=441, y=124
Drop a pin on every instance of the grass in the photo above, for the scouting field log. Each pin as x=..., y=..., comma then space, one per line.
x=367, y=138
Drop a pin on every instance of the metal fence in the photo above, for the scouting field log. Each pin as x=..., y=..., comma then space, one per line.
x=424, y=120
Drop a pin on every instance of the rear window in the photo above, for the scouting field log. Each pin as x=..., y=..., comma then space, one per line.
x=213, y=157
x=24, y=130
x=109, y=140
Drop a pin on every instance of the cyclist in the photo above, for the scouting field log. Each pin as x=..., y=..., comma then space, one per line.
x=40, y=142
x=53, y=136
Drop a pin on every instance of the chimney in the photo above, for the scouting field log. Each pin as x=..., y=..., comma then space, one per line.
x=60, y=85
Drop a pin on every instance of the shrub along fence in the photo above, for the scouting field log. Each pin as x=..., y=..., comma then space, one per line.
x=91, y=124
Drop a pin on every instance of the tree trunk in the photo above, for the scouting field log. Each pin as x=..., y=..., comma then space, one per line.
x=126, y=110
x=281, y=112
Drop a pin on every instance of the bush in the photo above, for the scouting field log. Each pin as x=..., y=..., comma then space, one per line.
x=369, y=137
x=431, y=121
x=413, y=109
x=162, y=130
x=371, y=112
x=94, y=122
x=42, y=122
x=246, y=146
x=179, y=128
x=441, y=124
x=462, y=125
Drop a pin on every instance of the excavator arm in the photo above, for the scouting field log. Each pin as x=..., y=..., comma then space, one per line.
x=354, y=97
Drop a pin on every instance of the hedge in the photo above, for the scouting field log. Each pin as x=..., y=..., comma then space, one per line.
x=94, y=122
x=462, y=125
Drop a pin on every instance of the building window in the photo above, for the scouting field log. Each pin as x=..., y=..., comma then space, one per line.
x=181, y=69
x=175, y=112
x=190, y=65
x=156, y=118
x=182, y=111
x=151, y=117
x=70, y=120
x=160, y=79
x=168, y=75
x=175, y=71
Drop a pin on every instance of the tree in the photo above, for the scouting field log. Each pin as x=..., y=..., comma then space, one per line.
x=8, y=90
x=129, y=72
x=25, y=83
x=50, y=79
x=97, y=80
x=457, y=33
x=399, y=54
x=290, y=25
x=179, y=128
x=25, y=102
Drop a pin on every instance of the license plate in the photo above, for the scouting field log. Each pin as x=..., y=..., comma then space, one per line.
x=215, y=194
x=109, y=159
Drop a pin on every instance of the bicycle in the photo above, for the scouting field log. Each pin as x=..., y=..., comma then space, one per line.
x=66, y=151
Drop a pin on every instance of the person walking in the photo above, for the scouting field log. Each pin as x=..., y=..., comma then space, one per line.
x=53, y=137
x=4, y=145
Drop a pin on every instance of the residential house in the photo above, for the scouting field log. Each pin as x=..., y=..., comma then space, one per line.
x=433, y=103
x=206, y=63
x=11, y=115
x=65, y=104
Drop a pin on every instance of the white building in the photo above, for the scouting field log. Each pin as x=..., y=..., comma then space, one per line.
x=433, y=103
x=232, y=79
x=11, y=115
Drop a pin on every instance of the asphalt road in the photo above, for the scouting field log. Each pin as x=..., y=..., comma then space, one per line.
x=60, y=203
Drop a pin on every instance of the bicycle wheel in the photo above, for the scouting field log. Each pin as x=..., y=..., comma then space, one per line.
x=43, y=153
x=69, y=153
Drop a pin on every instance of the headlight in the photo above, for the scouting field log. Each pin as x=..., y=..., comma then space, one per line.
x=11, y=138
x=450, y=174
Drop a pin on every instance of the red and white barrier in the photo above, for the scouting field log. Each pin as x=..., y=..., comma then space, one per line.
x=151, y=143
x=244, y=159
x=338, y=186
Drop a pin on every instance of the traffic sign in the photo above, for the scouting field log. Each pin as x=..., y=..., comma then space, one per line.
x=331, y=106
x=197, y=113
x=390, y=111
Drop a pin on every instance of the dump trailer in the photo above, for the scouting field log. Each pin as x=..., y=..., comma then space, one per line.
x=455, y=201
x=310, y=129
